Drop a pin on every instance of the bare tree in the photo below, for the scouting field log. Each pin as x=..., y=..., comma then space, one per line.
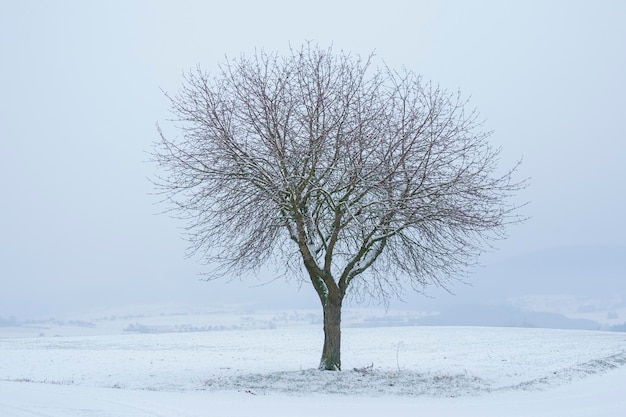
x=357, y=178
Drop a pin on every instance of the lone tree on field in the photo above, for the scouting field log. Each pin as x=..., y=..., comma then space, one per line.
x=363, y=180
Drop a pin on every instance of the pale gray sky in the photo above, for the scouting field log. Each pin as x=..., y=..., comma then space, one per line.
x=80, y=94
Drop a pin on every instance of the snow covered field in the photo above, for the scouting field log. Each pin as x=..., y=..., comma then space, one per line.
x=399, y=371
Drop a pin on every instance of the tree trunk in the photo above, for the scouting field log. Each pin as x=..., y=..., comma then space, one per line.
x=331, y=354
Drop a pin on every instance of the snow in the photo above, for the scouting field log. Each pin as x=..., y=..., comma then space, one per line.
x=399, y=371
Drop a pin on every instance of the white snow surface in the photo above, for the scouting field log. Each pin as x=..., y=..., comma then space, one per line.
x=398, y=371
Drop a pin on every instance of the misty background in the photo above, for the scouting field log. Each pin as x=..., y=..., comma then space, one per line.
x=81, y=89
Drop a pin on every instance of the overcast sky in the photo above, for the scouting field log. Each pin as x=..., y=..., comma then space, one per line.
x=80, y=93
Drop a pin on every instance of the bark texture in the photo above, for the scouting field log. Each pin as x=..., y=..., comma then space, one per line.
x=331, y=353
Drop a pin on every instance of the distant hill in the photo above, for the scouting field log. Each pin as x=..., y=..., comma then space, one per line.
x=504, y=316
x=590, y=271
x=576, y=270
x=564, y=287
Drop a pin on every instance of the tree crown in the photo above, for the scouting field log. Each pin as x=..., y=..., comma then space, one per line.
x=367, y=177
